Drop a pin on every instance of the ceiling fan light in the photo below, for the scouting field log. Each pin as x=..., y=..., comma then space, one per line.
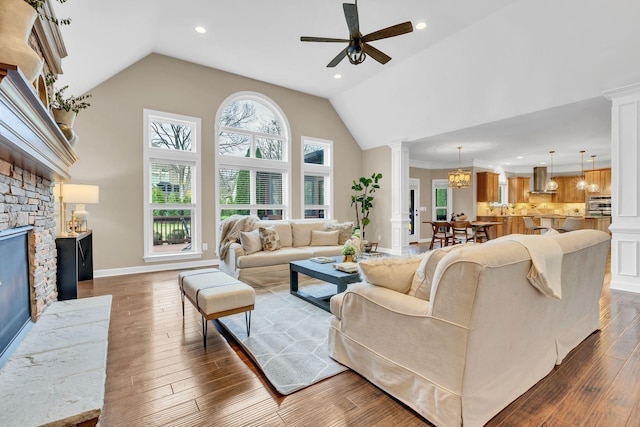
x=421, y=25
x=355, y=54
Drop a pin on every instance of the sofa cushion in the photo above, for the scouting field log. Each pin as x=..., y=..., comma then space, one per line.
x=345, y=229
x=283, y=228
x=270, y=239
x=333, y=250
x=421, y=284
x=250, y=241
x=324, y=238
x=301, y=232
x=393, y=273
x=266, y=259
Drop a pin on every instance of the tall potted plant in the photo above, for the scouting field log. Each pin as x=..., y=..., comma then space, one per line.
x=16, y=21
x=363, y=200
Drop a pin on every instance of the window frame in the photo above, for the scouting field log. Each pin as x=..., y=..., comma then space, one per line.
x=311, y=169
x=251, y=163
x=191, y=158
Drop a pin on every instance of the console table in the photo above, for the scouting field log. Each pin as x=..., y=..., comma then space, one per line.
x=75, y=263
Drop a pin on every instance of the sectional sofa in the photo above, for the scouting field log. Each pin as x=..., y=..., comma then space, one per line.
x=461, y=332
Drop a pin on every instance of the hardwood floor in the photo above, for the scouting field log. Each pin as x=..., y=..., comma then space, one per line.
x=158, y=373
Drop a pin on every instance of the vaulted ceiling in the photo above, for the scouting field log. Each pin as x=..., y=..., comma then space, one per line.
x=501, y=78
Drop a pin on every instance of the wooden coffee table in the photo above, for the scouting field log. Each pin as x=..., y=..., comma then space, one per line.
x=324, y=272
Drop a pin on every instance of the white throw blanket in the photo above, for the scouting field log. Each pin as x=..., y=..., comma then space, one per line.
x=546, y=259
x=231, y=228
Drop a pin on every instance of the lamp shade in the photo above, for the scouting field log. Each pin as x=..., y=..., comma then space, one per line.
x=79, y=193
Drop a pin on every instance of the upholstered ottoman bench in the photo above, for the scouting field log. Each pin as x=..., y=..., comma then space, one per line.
x=216, y=294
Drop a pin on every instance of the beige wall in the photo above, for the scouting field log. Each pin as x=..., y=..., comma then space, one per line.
x=378, y=160
x=110, y=146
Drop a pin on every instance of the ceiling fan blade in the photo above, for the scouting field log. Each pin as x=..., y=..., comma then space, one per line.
x=322, y=39
x=394, y=30
x=351, y=15
x=335, y=61
x=376, y=54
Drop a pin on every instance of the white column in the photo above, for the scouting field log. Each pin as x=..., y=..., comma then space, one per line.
x=399, y=198
x=625, y=200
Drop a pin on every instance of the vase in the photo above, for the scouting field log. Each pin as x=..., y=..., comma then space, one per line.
x=16, y=22
x=65, y=120
x=347, y=258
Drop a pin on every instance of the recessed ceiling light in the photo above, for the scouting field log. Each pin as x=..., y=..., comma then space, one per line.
x=337, y=76
x=519, y=157
x=421, y=25
x=543, y=163
x=200, y=30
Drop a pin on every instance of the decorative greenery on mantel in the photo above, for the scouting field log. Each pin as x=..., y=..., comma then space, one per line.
x=38, y=5
x=70, y=103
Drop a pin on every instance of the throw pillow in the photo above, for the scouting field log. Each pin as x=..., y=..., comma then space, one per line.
x=345, y=229
x=324, y=238
x=250, y=241
x=269, y=238
x=421, y=284
x=391, y=273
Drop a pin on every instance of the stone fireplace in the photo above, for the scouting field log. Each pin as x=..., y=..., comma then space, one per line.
x=27, y=199
x=34, y=154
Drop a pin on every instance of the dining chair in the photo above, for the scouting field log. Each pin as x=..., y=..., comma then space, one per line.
x=441, y=232
x=460, y=231
x=531, y=227
x=572, y=223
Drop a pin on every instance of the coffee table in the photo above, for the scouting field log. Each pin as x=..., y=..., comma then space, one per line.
x=324, y=272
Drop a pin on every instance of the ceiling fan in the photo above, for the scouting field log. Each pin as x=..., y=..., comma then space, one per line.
x=359, y=46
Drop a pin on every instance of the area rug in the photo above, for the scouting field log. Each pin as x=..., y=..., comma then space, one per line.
x=288, y=337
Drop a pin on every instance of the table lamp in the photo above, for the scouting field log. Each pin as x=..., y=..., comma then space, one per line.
x=80, y=195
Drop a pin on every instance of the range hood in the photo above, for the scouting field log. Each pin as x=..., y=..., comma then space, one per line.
x=540, y=181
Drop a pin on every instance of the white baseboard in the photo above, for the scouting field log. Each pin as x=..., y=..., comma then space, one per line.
x=155, y=267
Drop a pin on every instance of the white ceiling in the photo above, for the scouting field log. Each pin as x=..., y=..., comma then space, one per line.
x=261, y=40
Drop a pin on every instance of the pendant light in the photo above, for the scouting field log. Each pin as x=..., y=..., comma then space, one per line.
x=593, y=187
x=552, y=185
x=582, y=183
x=460, y=178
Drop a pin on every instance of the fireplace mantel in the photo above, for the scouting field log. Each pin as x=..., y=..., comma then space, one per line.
x=29, y=137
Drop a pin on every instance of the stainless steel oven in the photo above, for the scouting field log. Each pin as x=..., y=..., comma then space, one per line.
x=599, y=206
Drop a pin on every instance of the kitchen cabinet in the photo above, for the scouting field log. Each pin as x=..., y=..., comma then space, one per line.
x=518, y=189
x=567, y=191
x=602, y=177
x=75, y=263
x=598, y=223
x=487, y=187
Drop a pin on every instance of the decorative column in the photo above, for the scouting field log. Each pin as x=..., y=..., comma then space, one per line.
x=625, y=212
x=399, y=198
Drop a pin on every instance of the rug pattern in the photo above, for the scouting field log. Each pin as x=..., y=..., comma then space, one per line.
x=288, y=337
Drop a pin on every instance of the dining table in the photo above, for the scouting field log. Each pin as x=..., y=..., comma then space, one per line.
x=483, y=226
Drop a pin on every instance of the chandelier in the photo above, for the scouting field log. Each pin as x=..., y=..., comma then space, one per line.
x=593, y=187
x=551, y=184
x=460, y=178
x=582, y=183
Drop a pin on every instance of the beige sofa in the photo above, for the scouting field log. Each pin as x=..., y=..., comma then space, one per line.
x=263, y=267
x=461, y=345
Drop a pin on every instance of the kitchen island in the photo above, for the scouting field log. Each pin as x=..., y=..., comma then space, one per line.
x=514, y=223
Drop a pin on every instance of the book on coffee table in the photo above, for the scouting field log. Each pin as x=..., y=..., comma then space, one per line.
x=322, y=259
x=347, y=267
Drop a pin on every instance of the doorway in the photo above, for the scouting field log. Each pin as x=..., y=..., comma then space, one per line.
x=414, y=210
x=441, y=200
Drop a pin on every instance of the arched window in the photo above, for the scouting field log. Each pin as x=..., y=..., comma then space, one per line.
x=252, y=158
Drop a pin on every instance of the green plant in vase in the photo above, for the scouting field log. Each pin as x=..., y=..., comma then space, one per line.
x=363, y=200
x=348, y=252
